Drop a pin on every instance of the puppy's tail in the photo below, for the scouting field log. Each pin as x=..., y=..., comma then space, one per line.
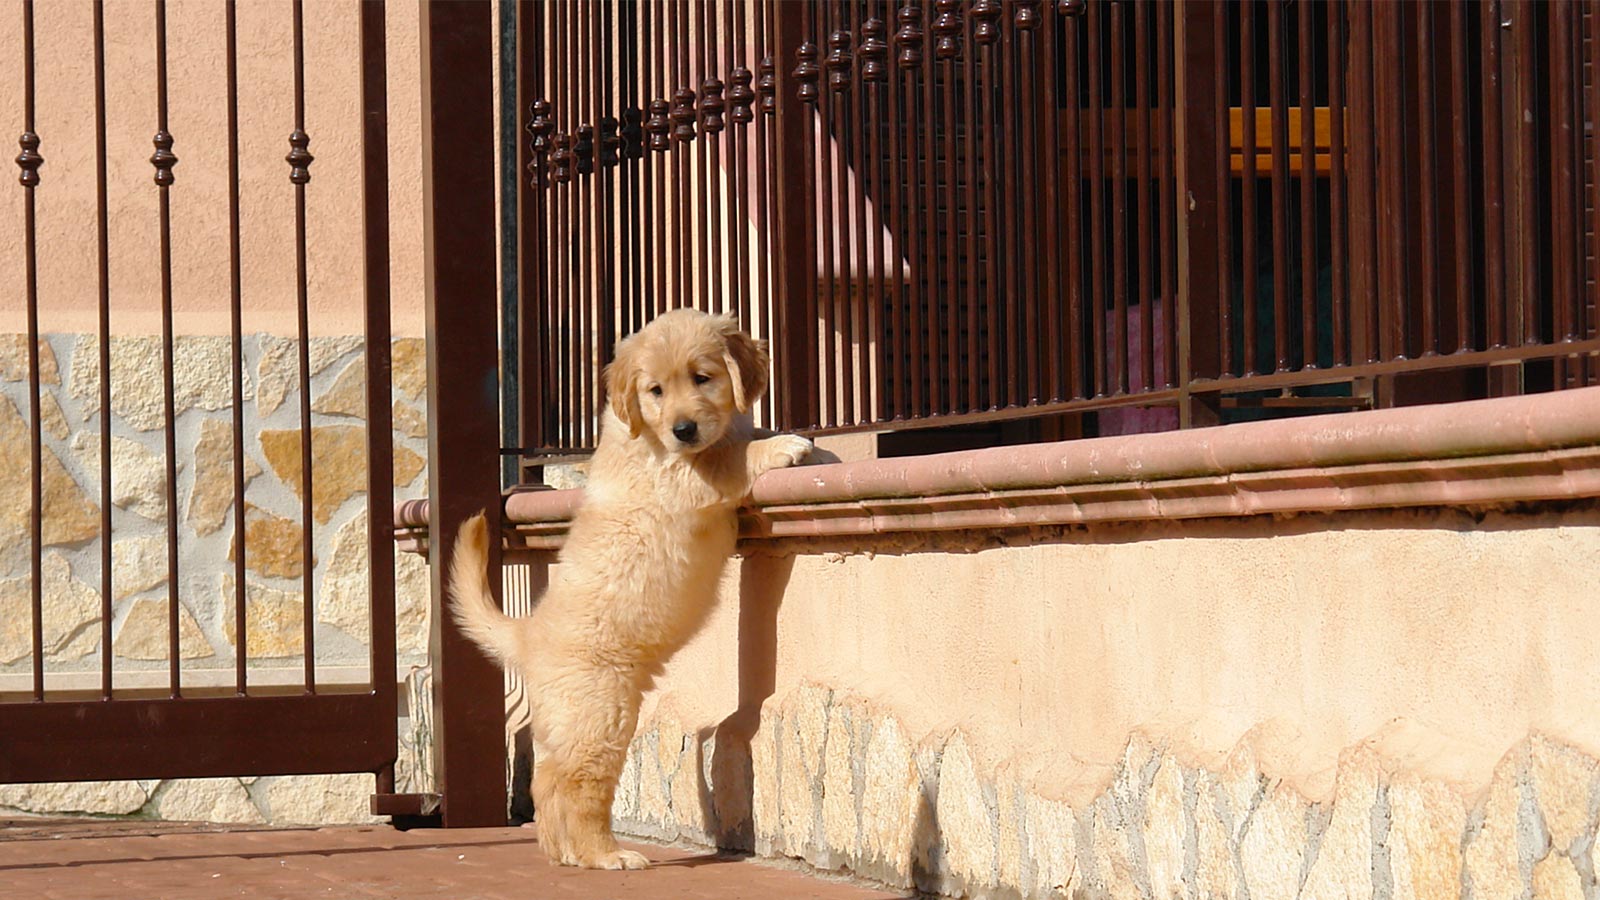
x=471, y=601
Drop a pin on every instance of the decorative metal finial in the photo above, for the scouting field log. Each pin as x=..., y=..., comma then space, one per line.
x=29, y=159
x=299, y=158
x=561, y=157
x=767, y=85
x=711, y=105
x=540, y=125
x=683, y=115
x=807, y=71
x=741, y=95
x=873, y=51
x=657, y=125
x=986, y=13
x=838, y=62
x=909, y=37
x=947, y=28
x=1027, y=17
x=610, y=141
x=164, y=159
x=583, y=149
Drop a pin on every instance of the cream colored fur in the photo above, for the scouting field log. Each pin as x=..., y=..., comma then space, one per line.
x=638, y=574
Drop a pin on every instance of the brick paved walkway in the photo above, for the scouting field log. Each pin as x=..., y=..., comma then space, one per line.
x=81, y=860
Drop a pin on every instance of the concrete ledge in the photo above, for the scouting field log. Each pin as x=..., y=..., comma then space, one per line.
x=1476, y=453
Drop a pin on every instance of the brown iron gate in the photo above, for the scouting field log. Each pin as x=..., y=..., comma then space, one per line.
x=179, y=730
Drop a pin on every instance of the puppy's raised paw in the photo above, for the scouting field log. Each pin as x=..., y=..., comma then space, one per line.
x=790, y=450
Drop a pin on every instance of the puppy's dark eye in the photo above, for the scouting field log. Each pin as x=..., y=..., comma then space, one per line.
x=700, y=378
x=655, y=389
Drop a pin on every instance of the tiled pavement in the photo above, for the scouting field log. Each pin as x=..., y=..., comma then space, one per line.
x=123, y=860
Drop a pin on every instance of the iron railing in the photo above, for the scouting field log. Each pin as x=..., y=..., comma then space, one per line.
x=1139, y=215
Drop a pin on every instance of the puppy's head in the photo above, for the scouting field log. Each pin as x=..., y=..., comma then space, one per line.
x=682, y=379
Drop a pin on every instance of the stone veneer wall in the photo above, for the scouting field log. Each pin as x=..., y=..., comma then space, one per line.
x=1378, y=705
x=72, y=553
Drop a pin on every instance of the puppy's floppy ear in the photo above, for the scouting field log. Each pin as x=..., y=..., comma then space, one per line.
x=621, y=377
x=747, y=361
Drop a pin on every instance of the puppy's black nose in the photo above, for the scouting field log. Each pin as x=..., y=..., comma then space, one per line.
x=685, y=431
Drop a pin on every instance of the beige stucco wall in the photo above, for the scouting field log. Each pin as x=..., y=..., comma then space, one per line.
x=1203, y=708
x=67, y=206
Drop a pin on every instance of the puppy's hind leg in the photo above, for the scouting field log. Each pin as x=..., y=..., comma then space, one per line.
x=589, y=785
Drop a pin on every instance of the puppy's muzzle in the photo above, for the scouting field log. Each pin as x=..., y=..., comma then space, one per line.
x=687, y=431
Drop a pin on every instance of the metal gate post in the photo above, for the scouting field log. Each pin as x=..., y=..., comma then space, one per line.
x=459, y=187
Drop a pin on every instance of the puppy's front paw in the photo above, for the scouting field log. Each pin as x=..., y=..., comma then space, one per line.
x=789, y=450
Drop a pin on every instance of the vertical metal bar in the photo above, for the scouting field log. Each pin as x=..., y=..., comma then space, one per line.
x=683, y=117
x=1525, y=228
x=380, y=433
x=1308, y=195
x=862, y=299
x=463, y=440
x=696, y=41
x=511, y=312
x=532, y=253
x=828, y=304
x=742, y=96
x=1072, y=251
x=30, y=160
x=566, y=414
x=1461, y=132
x=1363, y=246
x=795, y=191
x=841, y=336
x=164, y=160
x=1566, y=187
x=909, y=38
x=1339, y=261
x=765, y=85
x=925, y=122
x=1427, y=174
x=607, y=299
x=1119, y=203
x=1247, y=202
x=873, y=76
x=661, y=144
x=1591, y=61
x=972, y=199
x=1222, y=175
x=711, y=105
x=985, y=34
x=1200, y=152
x=1388, y=94
x=1145, y=271
x=1119, y=200
x=1097, y=203
x=1021, y=40
x=299, y=175
x=236, y=323
x=586, y=27
x=103, y=282
x=1277, y=79
x=1166, y=141
x=903, y=289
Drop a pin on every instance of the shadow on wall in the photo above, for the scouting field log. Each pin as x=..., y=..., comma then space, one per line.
x=727, y=806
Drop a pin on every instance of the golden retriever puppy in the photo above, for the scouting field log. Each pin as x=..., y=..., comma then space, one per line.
x=638, y=574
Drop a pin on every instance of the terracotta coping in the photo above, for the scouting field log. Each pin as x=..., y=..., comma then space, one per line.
x=1540, y=447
